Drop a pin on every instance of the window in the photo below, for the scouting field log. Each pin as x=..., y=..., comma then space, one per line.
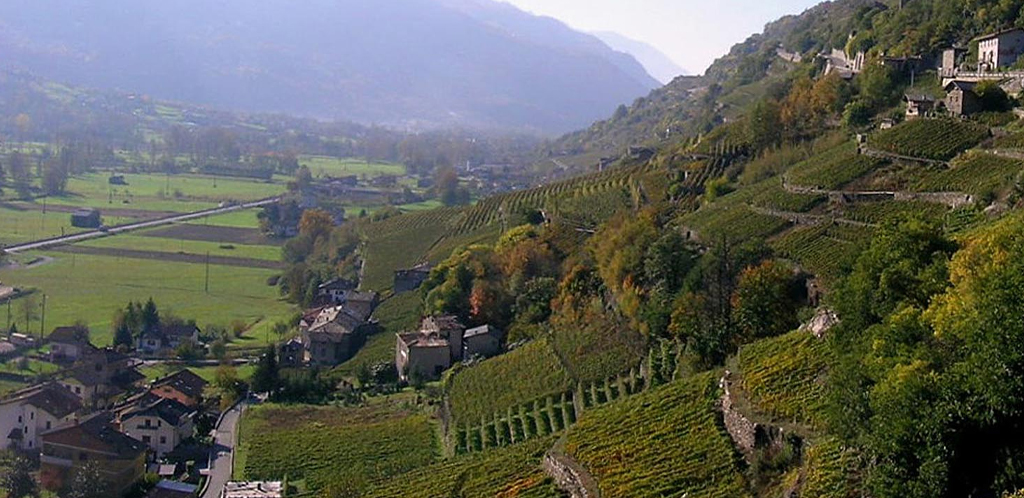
x=19, y=419
x=47, y=425
x=78, y=390
x=146, y=439
x=83, y=456
x=163, y=439
x=32, y=415
x=25, y=429
x=148, y=423
x=159, y=423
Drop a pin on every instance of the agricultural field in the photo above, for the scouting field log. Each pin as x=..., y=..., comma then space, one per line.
x=735, y=223
x=337, y=451
x=535, y=419
x=784, y=377
x=181, y=246
x=599, y=350
x=824, y=250
x=22, y=222
x=975, y=173
x=879, y=212
x=163, y=193
x=832, y=169
x=245, y=218
x=400, y=242
x=528, y=373
x=336, y=167
x=505, y=472
x=664, y=442
x=90, y=288
x=934, y=139
x=775, y=197
x=831, y=470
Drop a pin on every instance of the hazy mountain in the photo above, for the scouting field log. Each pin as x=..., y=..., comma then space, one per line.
x=398, y=62
x=654, y=61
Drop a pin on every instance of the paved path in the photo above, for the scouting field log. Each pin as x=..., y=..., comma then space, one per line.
x=222, y=453
x=79, y=237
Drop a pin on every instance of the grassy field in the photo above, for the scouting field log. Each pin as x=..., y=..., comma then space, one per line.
x=91, y=288
x=208, y=373
x=507, y=472
x=665, y=442
x=333, y=166
x=238, y=219
x=337, y=451
x=22, y=222
x=153, y=192
x=506, y=381
x=167, y=245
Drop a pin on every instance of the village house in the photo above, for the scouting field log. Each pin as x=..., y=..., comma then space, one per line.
x=441, y=342
x=183, y=386
x=484, y=341
x=27, y=413
x=333, y=336
x=290, y=354
x=1000, y=50
x=167, y=338
x=162, y=424
x=67, y=344
x=961, y=99
x=952, y=59
x=919, y=105
x=422, y=355
x=101, y=376
x=412, y=278
x=360, y=304
x=333, y=291
x=119, y=459
x=86, y=218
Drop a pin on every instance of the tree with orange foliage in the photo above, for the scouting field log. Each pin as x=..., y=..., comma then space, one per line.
x=316, y=223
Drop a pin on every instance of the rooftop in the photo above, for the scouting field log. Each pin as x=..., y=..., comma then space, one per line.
x=185, y=381
x=52, y=398
x=168, y=410
x=96, y=433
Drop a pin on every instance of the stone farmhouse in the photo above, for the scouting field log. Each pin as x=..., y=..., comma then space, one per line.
x=411, y=279
x=441, y=342
x=162, y=424
x=67, y=344
x=335, y=334
x=919, y=105
x=26, y=414
x=120, y=459
x=333, y=291
x=961, y=99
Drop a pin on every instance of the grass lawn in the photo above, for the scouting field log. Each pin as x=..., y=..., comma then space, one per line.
x=91, y=288
x=239, y=219
x=18, y=225
x=9, y=387
x=154, y=192
x=166, y=245
x=333, y=166
x=208, y=373
x=35, y=367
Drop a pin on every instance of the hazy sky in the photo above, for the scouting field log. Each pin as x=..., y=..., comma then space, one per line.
x=692, y=32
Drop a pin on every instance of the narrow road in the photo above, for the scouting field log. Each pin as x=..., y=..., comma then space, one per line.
x=222, y=454
x=95, y=234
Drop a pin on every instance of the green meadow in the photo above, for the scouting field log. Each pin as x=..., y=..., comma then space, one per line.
x=91, y=288
x=333, y=166
x=167, y=245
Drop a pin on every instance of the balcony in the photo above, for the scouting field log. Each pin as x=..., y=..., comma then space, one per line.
x=52, y=460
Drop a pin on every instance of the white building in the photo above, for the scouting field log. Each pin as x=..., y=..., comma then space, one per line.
x=162, y=424
x=26, y=414
x=1000, y=50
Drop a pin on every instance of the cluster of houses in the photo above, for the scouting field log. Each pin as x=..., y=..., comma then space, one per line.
x=440, y=342
x=99, y=409
x=332, y=332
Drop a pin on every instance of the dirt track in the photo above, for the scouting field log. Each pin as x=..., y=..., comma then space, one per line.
x=172, y=257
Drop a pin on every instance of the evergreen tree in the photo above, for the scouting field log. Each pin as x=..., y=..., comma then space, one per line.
x=266, y=378
x=150, y=318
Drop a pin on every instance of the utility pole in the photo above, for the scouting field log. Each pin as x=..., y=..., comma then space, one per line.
x=207, y=272
x=9, y=314
x=42, y=321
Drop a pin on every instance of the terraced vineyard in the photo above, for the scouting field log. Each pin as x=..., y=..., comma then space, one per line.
x=496, y=385
x=775, y=197
x=597, y=350
x=823, y=250
x=735, y=223
x=664, y=442
x=832, y=169
x=830, y=470
x=783, y=376
x=507, y=472
x=401, y=242
x=878, y=212
x=1011, y=141
x=344, y=449
x=935, y=139
x=975, y=173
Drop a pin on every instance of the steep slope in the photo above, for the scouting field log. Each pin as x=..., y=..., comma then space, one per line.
x=655, y=61
x=417, y=62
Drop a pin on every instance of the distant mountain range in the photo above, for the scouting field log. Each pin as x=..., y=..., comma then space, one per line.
x=409, y=63
x=659, y=65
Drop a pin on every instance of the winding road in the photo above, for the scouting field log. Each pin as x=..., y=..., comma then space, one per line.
x=95, y=234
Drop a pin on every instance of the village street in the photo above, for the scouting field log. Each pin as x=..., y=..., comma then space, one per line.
x=222, y=452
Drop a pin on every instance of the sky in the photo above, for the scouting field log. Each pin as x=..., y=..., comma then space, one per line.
x=693, y=33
